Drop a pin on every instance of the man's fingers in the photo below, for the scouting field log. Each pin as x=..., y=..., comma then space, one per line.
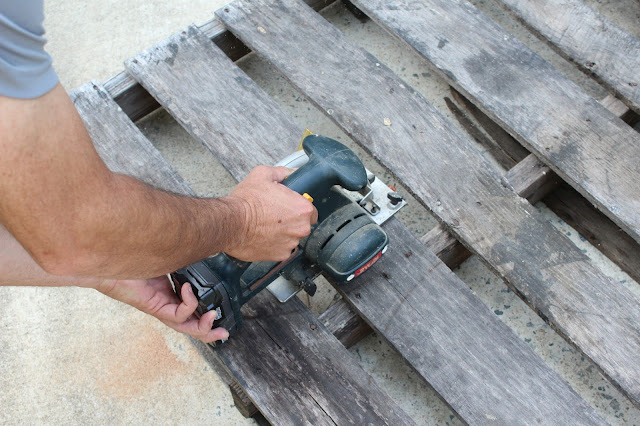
x=215, y=334
x=188, y=305
x=314, y=215
x=200, y=328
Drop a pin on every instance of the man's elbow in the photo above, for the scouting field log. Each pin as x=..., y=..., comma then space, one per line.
x=66, y=260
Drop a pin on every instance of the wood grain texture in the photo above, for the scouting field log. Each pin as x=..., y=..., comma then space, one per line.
x=529, y=178
x=603, y=234
x=137, y=103
x=153, y=70
x=344, y=323
x=289, y=365
x=445, y=171
x=122, y=147
x=586, y=145
x=471, y=360
x=467, y=123
x=606, y=236
x=444, y=245
x=616, y=106
x=286, y=357
x=189, y=62
x=242, y=401
x=582, y=35
x=510, y=151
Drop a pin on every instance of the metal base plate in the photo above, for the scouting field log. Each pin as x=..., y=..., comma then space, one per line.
x=283, y=289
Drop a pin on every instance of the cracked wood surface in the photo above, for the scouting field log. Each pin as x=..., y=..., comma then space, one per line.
x=190, y=76
x=292, y=368
x=446, y=172
x=595, y=44
x=579, y=139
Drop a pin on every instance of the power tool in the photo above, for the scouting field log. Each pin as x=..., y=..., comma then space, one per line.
x=343, y=244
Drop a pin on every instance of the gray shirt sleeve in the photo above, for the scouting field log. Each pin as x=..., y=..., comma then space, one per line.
x=25, y=68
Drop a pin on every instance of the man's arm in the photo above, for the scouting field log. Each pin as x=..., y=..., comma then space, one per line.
x=75, y=217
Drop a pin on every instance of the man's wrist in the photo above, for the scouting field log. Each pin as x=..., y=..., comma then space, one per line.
x=240, y=218
x=104, y=286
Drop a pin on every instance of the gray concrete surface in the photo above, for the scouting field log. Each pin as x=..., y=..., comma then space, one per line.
x=71, y=355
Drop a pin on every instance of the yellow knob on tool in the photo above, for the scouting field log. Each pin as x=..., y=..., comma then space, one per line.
x=308, y=197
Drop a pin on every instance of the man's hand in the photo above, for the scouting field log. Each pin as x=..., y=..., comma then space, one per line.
x=276, y=217
x=155, y=297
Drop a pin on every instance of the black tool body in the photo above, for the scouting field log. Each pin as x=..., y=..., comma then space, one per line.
x=343, y=244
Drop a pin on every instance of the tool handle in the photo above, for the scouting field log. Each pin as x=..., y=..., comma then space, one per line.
x=330, y=163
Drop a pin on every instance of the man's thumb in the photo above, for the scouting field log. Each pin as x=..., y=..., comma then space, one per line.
x=280, y=173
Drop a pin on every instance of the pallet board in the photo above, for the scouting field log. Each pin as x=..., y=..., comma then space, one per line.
x=204, y=105
x=505, y=387
x=284, y=354
x=447, y=173
x=574, y=209
x=587, y=38
x=304, y=375
x=122, y=147
x=579, y=213
x=137, y=103
x=529, y=179
x=580, y=140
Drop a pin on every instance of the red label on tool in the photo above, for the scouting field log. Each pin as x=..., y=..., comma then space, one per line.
x=368, y=264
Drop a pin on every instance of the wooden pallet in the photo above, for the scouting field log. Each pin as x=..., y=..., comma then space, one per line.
x=556, y=141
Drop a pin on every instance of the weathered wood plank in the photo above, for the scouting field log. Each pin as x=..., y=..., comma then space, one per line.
x=191, y=61
x=576, y=211
x=459, y=364
x=444, y=245
x=586, y=145
x=173, y=56
x=445, y=171
x=504, y=377
x=136, y=102
x=582, y=35
x=305, y=374
x=529, y=178
x=122, y=147
x=301, y=373
x=344, y=323
x=616, y=106
x=573, y=208
x=510, y=151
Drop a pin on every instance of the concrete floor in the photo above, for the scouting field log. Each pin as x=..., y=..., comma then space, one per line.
x=74, y=356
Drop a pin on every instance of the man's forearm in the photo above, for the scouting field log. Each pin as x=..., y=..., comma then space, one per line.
x=75, y=217
x=139, y=231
